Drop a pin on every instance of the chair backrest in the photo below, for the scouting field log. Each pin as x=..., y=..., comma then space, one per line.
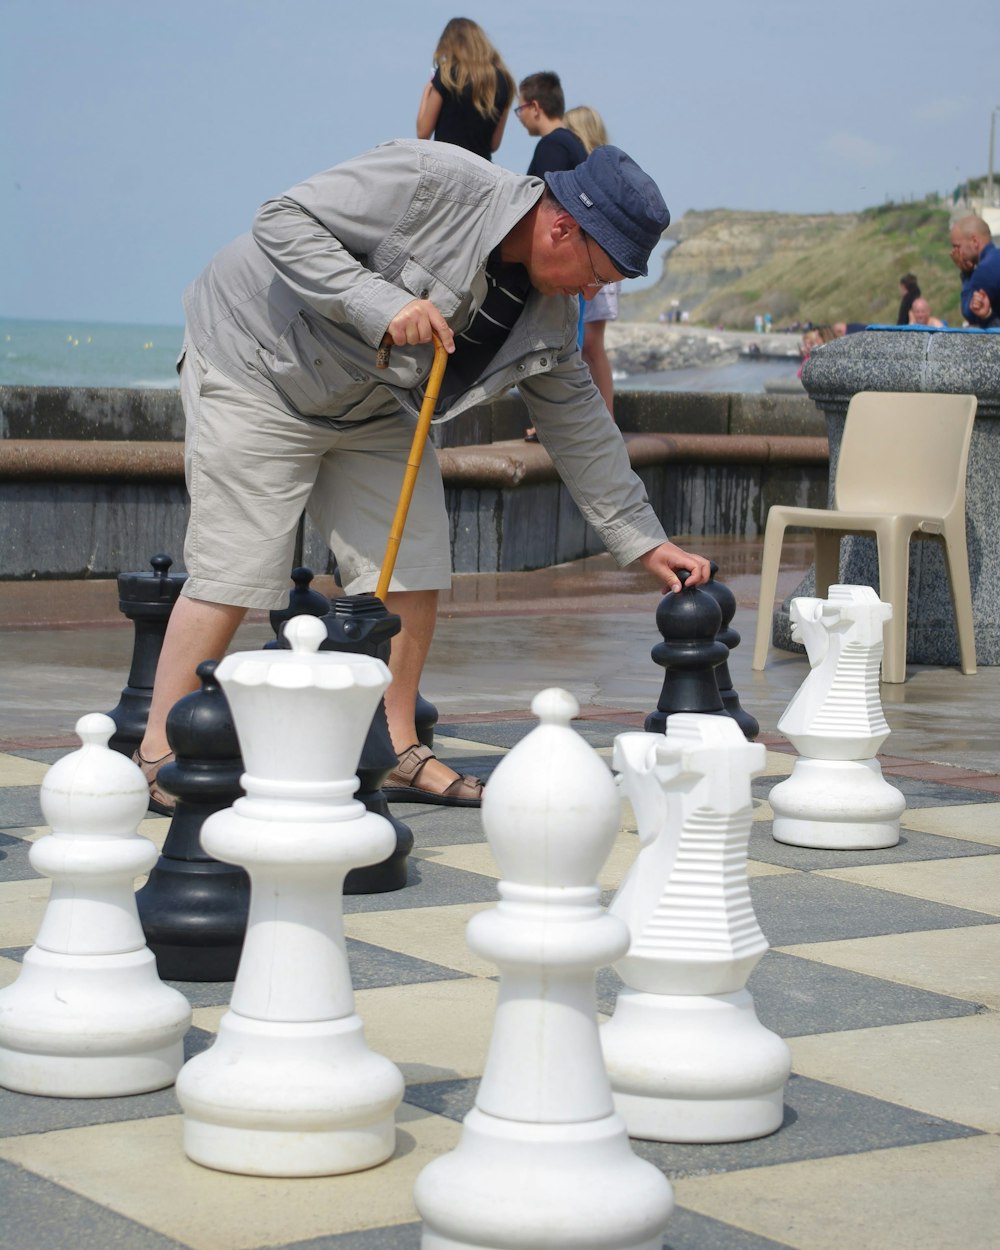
x=904, y=452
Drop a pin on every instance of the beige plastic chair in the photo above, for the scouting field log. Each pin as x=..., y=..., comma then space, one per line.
x=901, y=475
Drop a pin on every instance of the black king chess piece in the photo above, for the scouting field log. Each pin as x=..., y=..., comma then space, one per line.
x=193, y=908
x=726, y=600
x=689, y=620
x=147, y=599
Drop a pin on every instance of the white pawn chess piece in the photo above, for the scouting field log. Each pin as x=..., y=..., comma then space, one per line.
x=290, y=1087
x=688, y=1059
x=88, y=1016
x=836, y=797
x=543, y=1159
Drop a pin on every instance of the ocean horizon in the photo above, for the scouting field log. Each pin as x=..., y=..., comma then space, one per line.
x=88, y=353
x=144, y=356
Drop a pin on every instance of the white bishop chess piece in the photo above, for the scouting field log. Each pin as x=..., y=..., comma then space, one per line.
x=688, y=1059
x=836, y=797
x=89, y=1017
x=544, y=1160
x=290, y=1087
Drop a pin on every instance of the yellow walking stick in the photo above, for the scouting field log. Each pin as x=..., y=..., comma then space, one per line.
x=416, y=455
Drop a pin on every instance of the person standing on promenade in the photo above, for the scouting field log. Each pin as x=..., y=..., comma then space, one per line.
x=909, y=291
x=540, y=110
x=978, y=261
x=588, y=126
x=467, y=102
x=286, y=409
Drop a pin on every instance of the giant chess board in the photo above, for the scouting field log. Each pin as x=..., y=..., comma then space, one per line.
x=882, y=977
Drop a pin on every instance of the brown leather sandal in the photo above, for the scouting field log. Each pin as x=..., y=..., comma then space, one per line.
x=400, y=786
x=160, y=801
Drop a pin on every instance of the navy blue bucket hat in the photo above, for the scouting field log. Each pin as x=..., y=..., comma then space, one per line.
x=616, y=203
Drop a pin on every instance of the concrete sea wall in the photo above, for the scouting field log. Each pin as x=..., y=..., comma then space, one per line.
x=92, y=481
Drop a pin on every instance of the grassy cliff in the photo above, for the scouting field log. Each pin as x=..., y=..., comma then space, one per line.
x=726, y=266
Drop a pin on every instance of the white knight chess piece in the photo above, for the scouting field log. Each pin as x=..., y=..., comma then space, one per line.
x=836, y=797
x=688, y=1059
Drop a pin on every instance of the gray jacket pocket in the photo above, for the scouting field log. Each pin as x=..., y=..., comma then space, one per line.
x=308, y=374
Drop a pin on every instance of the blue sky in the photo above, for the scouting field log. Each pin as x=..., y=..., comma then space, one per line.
x=139, y=136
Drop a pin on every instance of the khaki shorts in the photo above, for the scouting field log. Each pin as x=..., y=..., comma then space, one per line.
x=252, y=469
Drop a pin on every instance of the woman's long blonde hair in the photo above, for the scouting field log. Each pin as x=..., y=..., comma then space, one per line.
x=588, y=127
x=466, y=58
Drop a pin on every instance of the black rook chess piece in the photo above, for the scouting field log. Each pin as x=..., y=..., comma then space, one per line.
x=302, y=599
x=193, y=908
x=689, y=620
x=147, y=599
x=726, y=600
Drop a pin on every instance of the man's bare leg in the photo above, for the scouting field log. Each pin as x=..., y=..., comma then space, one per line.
x=417, y=609
x=197, y=631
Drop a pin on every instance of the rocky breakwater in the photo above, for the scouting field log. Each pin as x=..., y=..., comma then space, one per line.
x=636, y=347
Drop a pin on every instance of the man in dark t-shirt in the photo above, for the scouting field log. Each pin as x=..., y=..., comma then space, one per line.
x=540, y=110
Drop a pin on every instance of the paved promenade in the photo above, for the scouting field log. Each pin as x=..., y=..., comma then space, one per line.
x=883, y=974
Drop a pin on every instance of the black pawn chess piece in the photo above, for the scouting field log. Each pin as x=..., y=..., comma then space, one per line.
x=689, y=620
x=147, y=599
x=726, y=600
x=362, y=625
x=303, y=600
x=193, y=908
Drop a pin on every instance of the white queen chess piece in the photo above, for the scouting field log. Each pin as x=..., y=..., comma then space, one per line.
x=836, y=797
x=89, y=1017
x=290, y=1087
x=688, y=1059
x=544, y=1160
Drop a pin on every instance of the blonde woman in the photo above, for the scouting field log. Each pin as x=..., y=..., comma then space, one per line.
x=468, y=100
x=588, y=127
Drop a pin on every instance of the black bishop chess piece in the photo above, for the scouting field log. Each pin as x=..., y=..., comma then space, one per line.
x=689, y=620
x=362, y=625
x=147, y=599
x=726, y=600
x=193, y=908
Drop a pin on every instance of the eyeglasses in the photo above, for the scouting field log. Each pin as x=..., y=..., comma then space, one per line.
x=598, y=281
x=521, y=107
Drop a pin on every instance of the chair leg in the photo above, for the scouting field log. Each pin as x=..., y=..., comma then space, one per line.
x=774, y=534
x=956, y=558
x=894, y=578
x=827, y=544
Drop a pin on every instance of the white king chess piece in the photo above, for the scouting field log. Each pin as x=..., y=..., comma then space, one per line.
x=836, y=797
x=290, y=1088
x=688, y=1059
x=89, y=1017
x=543, y=1159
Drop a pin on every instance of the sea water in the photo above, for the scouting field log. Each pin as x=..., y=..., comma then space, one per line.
x=93, y=353
x=88, y=353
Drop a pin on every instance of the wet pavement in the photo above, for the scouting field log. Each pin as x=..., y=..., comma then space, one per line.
x=65, y=649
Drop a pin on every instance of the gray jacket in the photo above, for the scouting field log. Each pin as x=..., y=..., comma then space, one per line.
x=295, y=311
